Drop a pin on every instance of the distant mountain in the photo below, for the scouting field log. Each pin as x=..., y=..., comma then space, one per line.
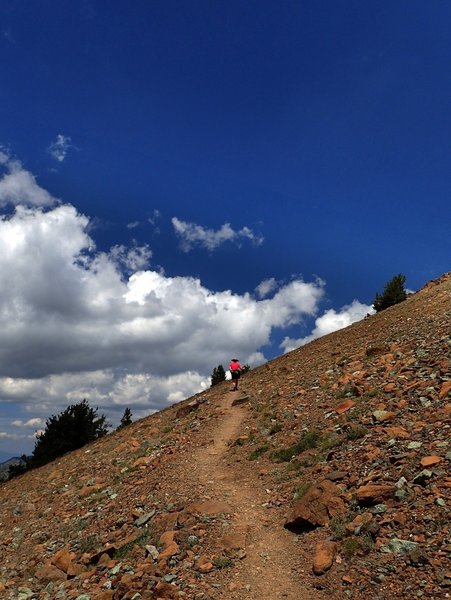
x=5, y=456
x=4, y=466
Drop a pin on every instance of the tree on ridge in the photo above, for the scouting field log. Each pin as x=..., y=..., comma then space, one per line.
x=394, y=293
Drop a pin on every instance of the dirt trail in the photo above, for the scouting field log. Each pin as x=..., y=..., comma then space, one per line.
x=271, y=567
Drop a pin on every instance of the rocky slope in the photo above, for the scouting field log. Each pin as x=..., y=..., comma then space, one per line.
x=326, y=476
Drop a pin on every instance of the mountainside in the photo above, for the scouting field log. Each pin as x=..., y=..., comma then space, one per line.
x=325, y=476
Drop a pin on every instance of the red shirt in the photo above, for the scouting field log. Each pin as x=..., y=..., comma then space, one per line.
x=234, y=366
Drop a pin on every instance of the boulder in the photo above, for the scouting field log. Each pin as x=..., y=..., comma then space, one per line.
x=317, y=506
x=325, y=552
x=373, y=493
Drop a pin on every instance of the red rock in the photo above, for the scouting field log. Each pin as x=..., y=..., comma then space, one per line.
x=87, y=490
x=166, y=591
x=319, y=504
x=50, y=573
x=374, y=492
x=344, y=406
x=397, y=432
x=428, y=461
x=325, y=552
x=167, y=538
x=358, y=522
x=445, y=389
x=204, y=565
x=63, y=560
x=171, y=550
x=390, y=387
x=102, y=595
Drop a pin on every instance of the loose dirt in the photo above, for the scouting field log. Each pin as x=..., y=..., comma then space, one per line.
x=271, y=565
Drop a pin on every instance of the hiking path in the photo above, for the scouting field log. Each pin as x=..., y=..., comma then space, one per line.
x=273, y=563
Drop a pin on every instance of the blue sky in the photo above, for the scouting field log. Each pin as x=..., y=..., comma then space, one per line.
x=185, y=181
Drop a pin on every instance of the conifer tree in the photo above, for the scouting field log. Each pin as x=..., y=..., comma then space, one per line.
x=394, y=293
x=126, y=418
x=218, y=375
x=71, y=429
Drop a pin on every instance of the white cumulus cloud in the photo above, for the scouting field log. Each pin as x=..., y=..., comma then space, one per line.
x=329, y=322
x=19, y=186
x=266, y=287
x=37, y=422
x=73, y=326
x=192, y=235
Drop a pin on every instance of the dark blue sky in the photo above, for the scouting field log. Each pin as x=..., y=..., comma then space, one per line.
x=322, y=127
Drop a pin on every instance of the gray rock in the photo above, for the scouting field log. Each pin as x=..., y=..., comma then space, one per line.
x=24, y=593
x=379, y=509
x=192, y=540
x=241, y=400
x=414, y=445
x=153, y=551
x=397, y=546
x=145, y=518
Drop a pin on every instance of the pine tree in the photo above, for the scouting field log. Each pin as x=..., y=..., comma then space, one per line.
x=218, y=375
x=71, y=429
x=126, y=418
x=394, y=293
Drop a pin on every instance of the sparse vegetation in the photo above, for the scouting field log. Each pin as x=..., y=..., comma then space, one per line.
x=222, y=562
x=255, y=455
x=301, y=490
x=357, y=545
x=356, y=432
x=338, y=527
x=275, y=428
x=88, y=543
x=125, y=550
x=310, y=439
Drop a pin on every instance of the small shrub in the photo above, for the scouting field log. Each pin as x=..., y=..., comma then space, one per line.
x=284, y=454
x=367, y=543
x=127, y=548
x=310, y=439
x=275, y=428
x=301, y=490
x=331, y=440
x=255, y=455
x=356, y=432
x=358, y=545
x=89, y=543
x=351, y=546
x=222, y=562
x=338, y=527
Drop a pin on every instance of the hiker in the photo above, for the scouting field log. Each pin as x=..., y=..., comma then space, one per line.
x=235, y=372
